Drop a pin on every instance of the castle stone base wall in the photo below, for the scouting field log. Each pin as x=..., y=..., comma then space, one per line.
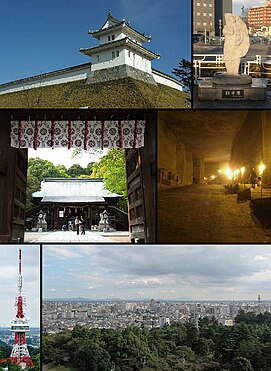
x=119, y=72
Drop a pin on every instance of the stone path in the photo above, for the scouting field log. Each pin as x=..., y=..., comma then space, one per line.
x=204, y=213
x=71, y=236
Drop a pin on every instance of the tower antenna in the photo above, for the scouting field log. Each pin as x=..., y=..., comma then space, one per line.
x=19, y=325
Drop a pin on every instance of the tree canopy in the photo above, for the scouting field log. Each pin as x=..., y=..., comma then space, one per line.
x=178, y=347
x=112, y=167
x=184, y=73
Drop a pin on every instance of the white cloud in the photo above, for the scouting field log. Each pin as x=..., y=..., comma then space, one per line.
x=63, y=252
x=198, y=272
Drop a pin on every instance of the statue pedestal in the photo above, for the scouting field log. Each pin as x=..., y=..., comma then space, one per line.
x=226, y=87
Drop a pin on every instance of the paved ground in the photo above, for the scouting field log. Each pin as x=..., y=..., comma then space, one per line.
x=204, y=213
x=71, y=236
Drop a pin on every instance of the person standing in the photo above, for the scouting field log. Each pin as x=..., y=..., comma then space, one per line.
x=76, y=223
x=82, y=226
x=253, y=177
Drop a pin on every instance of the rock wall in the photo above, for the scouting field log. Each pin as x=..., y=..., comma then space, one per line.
x=175, y=163
x=253, y=143
x=266, y=147
x=119, y=72
x=247, y=144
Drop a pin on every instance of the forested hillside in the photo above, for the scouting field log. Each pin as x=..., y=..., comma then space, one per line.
x=243, y=347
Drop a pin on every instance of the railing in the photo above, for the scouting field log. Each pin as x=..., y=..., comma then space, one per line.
x=205, y=65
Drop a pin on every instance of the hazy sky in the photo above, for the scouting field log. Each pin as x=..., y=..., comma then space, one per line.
x=8, y=282
x=42, y=36
x=161, y=272
x=63, y=156
x=237, y=4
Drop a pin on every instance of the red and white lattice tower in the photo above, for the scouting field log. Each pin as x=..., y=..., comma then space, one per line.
x=20, y=326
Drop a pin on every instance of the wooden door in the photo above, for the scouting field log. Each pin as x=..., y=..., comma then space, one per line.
x=13, y=173
x=141, y=184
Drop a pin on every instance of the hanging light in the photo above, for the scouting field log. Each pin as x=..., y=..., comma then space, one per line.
x=262, y=167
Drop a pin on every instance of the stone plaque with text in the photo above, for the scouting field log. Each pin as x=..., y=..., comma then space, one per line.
x=233, y=93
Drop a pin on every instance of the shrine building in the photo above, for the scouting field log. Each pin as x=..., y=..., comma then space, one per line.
x=62, y=199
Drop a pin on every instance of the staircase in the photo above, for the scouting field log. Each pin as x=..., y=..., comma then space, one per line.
x=118, y=218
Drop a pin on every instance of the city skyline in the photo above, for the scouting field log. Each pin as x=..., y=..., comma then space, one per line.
x=8, y=283
x=41, y=41
x=229, y=273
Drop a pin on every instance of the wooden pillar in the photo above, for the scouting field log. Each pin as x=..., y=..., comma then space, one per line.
x=141, y=184
x=13, y=173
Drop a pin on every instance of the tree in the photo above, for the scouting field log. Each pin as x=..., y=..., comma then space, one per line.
x=91, y=356
x=184, y=72
x=41, y=169
x=33, y=185
x=241, y=364
x=112, y=167
x=76, y=170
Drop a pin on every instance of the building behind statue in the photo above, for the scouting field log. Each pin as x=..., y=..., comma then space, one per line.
x=207, y=16
x=259, y=19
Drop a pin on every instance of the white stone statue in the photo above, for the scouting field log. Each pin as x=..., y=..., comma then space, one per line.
x=236, y=43
x=42, y=224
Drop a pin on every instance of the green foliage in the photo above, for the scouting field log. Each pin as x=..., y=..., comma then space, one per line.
x=33, y=185
x=241, y=364
x=76, y=170
x=5, y=350
x=112, y=167
x=36, y=362
x=11, y=366
x=122, y=93
x=179, y=347
x=38, y=169
x=41, y=169
x=91, y=356
x=184, y=72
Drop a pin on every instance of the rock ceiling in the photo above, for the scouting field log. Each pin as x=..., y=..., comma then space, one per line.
x=206, y=133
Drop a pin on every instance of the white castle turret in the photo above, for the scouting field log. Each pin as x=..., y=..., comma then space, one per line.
x=121, y=51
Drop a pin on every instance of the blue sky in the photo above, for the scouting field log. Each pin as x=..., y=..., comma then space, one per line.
x=43, y=36
x=226, y=272
x=237, y=4
x=8, y=282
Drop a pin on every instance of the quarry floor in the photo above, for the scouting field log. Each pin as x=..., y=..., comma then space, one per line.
x=205, y=214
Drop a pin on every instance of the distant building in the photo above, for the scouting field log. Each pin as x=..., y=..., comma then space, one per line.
x=204, y=17
x=164, y=321
x=221, y=7
x=207, y=14
x=259, y=18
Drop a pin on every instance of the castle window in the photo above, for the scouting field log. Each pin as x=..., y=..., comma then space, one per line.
x=108, y=38
x=113, y=55
x=61, y=214
x=129, y=54
x=98, y=58
x=117, y=53
x=113, y=37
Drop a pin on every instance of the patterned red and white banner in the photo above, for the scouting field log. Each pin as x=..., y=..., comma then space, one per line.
x=77, y=134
